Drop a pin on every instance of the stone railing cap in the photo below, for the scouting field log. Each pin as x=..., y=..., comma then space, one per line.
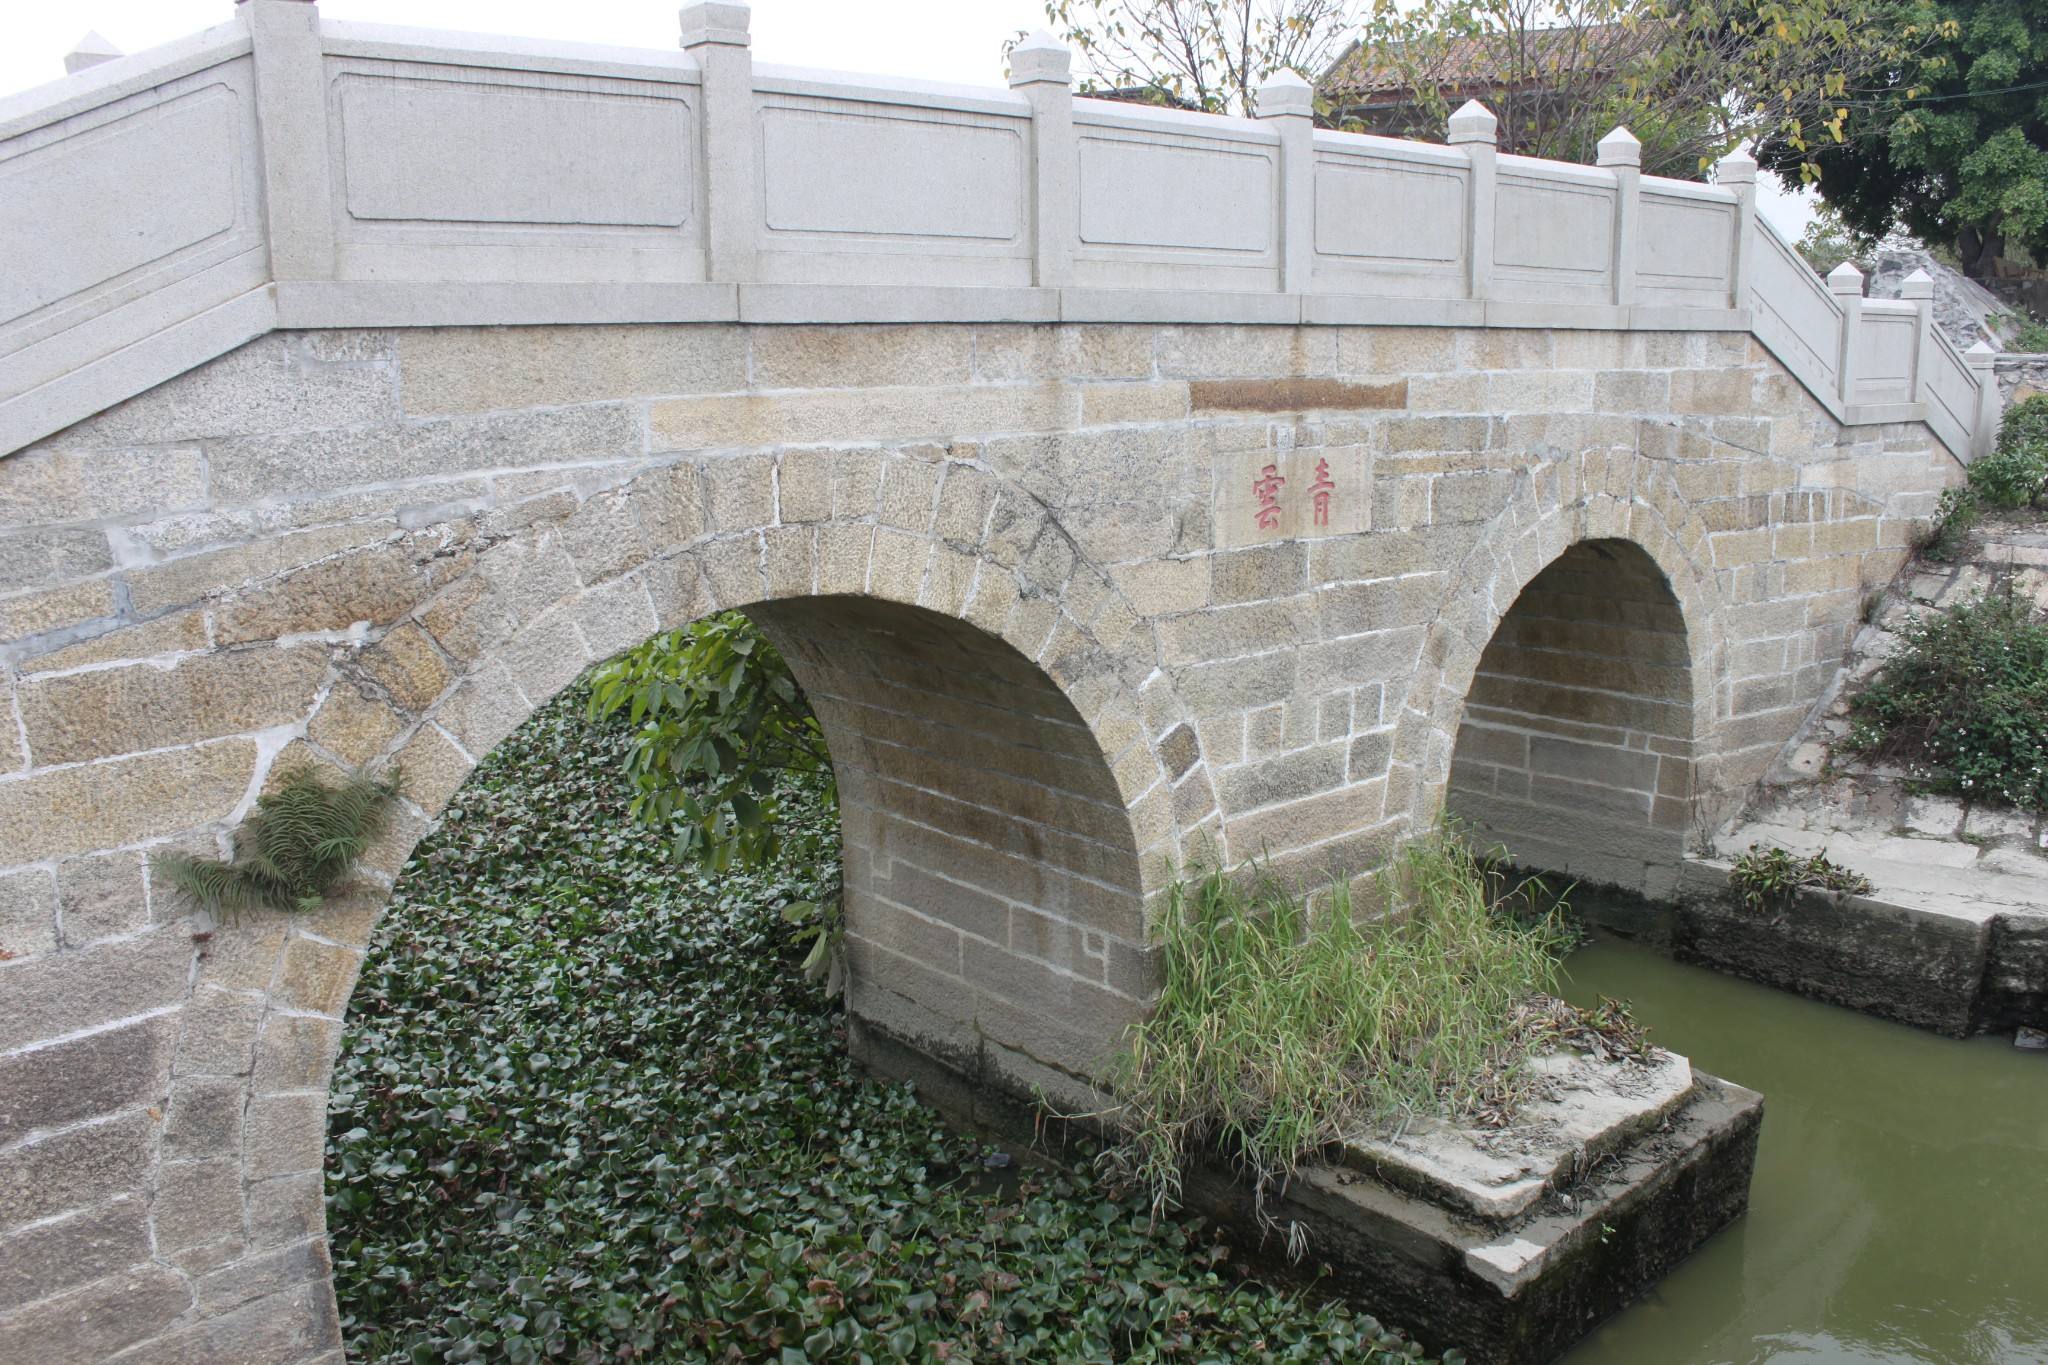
x=1285, y=92
x=1845, y=279
x=716, y=21
x=1039, y=56
x=1473, y=122
x=1620, y=148
x=1736, y=168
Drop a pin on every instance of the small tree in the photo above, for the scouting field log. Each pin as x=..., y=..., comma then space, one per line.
x=1207, y=54
x=1954, y=147
x=720, y=721
x=724, y=736
x=1692, y=79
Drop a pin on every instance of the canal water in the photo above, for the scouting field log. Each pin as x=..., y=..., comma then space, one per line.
x=1900, y=1210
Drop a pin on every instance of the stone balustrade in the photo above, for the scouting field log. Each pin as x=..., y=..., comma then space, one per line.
x=285, y=171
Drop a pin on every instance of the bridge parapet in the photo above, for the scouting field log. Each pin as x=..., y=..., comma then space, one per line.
x=287, y=171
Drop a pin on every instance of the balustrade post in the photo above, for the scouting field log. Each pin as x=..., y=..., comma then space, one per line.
x=291, y=123
x=1477, y=131
x=1738, y=173
x=1918, y=289
x=1288, y=103
x=1042, y=69
x=1983, y=363
x=1845, y=282
x=91, y=50
x=1622, y=154
x=715, y=33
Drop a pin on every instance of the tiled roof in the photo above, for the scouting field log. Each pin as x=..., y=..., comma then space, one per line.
x=1476, y=61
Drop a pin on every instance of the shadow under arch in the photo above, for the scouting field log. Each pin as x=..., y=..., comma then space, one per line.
x=993, y=892
x=1577, y=746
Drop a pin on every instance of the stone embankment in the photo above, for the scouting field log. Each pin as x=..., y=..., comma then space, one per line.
x=1954, y=935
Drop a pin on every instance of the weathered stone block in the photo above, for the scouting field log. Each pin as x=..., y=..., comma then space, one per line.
x=71, y=1251
x=62, y=608
x=65, y=1083
x=62, y=993
x=617, y=615
x=271, y=384
x=43, y=556
x=28, y=913
x=251, y=467
x=173, y=634
x=547, y=656
x=740, y=491
x=286, y=1209
x=295, y=1052
x=70, y=1170
x=219, y=1033
x=89, y=1324
x=296, y=1325
x=445, y=370
x=377, y=584
x=42, y=486
x=205, y=1118
x=1010, y=353
x=76, y=716
x=197, y=1202
x=810, y=418
x=317, y=977
x=354, y=727
x=787, y=357
x=283, y=1135
x=407, y=666
x=242, y=957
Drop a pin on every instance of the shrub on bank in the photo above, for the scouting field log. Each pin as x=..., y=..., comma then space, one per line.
x=1963, y=702
x=2015, y=473
x=587, y=1109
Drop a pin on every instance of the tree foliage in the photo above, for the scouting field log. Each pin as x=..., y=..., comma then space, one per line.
x=1206, y=54
x=292, y=849
x=1954, y=147
x=1692, y=79
x=718, y=720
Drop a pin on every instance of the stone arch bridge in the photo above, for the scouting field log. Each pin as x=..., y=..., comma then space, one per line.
x=1122, y=483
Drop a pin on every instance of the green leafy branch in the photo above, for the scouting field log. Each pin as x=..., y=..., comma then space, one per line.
x=726, y=745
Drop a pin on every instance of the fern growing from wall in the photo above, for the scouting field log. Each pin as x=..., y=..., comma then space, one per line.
x=294, y=848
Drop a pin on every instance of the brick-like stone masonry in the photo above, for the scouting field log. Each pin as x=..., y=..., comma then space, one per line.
x=992, y=553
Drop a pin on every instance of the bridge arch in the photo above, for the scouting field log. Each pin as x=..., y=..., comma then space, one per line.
x=1005, y=804
x=1522, y=646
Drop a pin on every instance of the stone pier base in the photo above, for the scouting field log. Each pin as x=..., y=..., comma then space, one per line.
x=1508, y=1290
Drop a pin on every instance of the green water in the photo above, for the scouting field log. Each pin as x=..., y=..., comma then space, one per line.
x=1900, y=1208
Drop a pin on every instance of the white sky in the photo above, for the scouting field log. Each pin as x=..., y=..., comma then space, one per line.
x=944, y=40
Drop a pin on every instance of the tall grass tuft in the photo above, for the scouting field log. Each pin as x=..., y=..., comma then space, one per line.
x=1280, y=1029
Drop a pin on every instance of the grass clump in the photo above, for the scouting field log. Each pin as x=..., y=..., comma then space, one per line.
x=295, y=847
x=1279, y=1031
x=585, y=1110
x=1963, y=703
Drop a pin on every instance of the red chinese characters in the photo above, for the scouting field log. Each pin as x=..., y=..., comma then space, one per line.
x=1266, y=488
x=1319, y=492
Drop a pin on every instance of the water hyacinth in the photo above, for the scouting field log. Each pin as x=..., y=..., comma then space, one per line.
x=588, y=1109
